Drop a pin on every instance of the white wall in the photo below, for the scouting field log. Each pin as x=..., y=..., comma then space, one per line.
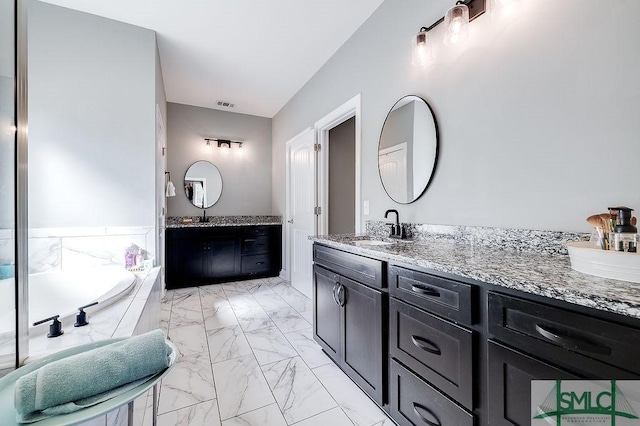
x=532, y=112
x=246, y=173
x=92, y=97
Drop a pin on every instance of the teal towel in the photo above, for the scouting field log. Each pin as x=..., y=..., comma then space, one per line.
x=84, y=379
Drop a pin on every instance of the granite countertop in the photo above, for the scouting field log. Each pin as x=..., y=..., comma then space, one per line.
x=177, y=222
x=542, y=274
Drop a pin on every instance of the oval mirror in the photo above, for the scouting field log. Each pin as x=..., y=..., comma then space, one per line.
x=203, y=184
x=408, y=149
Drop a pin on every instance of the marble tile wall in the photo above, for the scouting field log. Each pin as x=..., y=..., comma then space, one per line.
x=78, y=248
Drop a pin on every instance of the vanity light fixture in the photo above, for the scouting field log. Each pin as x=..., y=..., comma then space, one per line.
x=456, y=24
x=422, y=49
x=456, y=21
x=223, y=143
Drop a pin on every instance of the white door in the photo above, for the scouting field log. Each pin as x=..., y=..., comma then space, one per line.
x=392, y=163
x=301, y=216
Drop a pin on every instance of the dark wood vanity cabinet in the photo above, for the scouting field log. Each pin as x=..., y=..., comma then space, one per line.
x=204, y=255
x=458, y=352
x=348, y=319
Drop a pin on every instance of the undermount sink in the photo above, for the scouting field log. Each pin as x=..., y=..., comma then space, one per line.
x=361, y=243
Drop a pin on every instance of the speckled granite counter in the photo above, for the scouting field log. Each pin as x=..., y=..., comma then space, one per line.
x=177, y=222
x=542, y=274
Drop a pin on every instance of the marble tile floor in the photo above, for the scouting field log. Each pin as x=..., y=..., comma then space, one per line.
x=248, y=358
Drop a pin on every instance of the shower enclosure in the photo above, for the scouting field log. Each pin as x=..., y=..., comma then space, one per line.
x=13, y=214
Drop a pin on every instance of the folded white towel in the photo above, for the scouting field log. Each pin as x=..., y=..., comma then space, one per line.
x=171, y=190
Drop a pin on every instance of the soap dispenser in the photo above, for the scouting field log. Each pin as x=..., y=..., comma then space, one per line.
x=624, y=233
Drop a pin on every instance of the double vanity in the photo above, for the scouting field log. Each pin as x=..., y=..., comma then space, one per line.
x=447, y=332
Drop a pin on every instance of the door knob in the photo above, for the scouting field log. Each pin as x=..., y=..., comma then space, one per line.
x=290, y=221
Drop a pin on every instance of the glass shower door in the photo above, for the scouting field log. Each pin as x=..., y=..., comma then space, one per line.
x=7, y=186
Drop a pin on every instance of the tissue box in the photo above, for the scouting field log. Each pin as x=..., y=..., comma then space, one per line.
x=588, y=259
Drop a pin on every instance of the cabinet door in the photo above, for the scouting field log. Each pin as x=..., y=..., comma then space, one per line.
x=326, y=311
x=509, y=388
x=362, y=343
x=184, y=261
x=222, y=256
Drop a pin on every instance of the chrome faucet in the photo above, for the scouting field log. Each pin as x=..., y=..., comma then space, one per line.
x=204, y=217
x=397, y=230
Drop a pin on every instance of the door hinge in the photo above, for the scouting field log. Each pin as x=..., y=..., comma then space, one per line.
x=317, y=211
x=163, y=148
x=317, y=147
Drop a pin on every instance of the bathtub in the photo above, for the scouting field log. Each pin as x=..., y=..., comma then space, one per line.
x=62, y=292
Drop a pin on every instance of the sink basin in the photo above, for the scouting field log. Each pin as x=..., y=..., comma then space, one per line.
x=364, y=243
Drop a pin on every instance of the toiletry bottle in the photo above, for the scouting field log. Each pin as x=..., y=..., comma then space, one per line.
x=139, y=258
x=130, y=256
x=624, y=233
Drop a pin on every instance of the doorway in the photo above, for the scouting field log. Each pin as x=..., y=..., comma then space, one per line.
x=308, y=166
x=341, y=208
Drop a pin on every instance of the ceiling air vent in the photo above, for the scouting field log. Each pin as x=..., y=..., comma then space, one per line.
x=225, y=104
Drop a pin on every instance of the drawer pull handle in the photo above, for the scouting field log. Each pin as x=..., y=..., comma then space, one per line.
x=571, y=343
x=426, y=345
x=434, y=422
x=249, y=240
x=422, y=289
x=259, y=263
x=335, y=298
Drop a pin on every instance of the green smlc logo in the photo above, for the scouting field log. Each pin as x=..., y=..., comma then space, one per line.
x=609, y=403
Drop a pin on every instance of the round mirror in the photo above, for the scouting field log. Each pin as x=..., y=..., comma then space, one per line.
x=203, y=184
x=408, y=149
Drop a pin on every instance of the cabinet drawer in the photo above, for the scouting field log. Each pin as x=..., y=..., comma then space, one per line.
x=256, y=263
x=256, y=231
x=447, y=298
x=362, y=269
x=413, y=402
x=439, y=351
x=258, y=244
x=551, y=332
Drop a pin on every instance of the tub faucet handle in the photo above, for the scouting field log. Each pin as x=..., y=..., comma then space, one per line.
x=55, y=329
x=81, y=317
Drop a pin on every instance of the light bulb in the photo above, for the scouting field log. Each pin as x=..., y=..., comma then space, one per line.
x=421, y=56
x=505, y=8
x=456, y=25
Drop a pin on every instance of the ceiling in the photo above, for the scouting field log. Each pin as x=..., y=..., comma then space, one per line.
x=254, y=54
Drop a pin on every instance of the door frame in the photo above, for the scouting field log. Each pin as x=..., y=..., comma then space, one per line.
x=351, y=108
x=161, y=197
x=286, y=268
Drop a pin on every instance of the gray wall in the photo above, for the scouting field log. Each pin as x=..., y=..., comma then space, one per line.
x=246, y=173
x=342, y=178
x=531, y=112
x=92, y=96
